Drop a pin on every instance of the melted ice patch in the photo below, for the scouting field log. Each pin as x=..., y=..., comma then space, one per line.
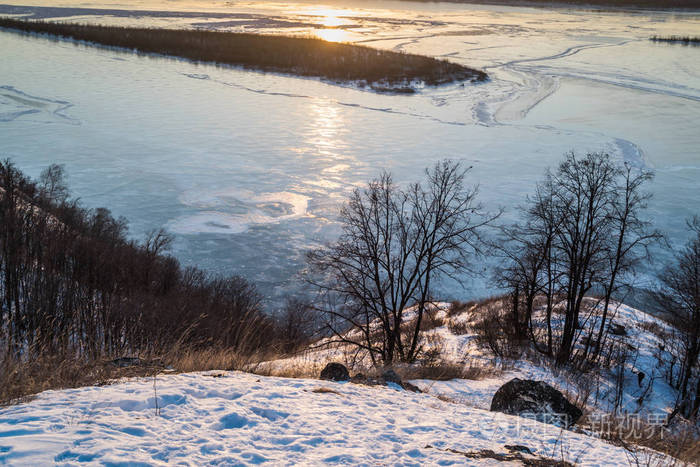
x=235, y=211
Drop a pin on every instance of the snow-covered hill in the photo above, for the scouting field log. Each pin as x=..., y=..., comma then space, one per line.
x=456, y=343
x=235, y=418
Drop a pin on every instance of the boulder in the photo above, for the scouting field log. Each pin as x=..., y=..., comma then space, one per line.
x=335, y=372
x=536, y=400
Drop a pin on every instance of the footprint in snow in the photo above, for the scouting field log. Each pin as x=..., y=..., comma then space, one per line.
x=134, y=431
x=233, y=420
x=75, y=457
x=270, y=414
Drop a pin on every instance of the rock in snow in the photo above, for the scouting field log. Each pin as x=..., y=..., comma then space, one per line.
x=537, y=400
x=335, y=372
x=617, y=329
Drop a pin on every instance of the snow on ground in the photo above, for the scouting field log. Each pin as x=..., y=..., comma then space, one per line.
x=235, y=418
x=241, y=419
x=650, y=395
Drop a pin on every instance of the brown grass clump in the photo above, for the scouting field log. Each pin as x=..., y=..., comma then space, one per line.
x=458, y=308
x=190, y=360
x=20, y=380
x=295, y=55
x=444, y=371
x=323, y=390
x=654, y=328
x=291, y=370
x=495, y=330
x=430, y=320
x=459, y=328
x=440, y=372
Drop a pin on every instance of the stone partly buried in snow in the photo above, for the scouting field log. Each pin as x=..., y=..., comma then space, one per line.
x=617, y=329
x=338, y=372
x=536, y=400
x=335, y=372
x=388, y=376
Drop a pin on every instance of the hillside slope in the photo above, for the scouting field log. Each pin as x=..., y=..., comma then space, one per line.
x=453, y=342
x=239, y=419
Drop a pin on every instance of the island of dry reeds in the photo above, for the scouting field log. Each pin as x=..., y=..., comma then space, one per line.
x=685, y=40
x=301, y=56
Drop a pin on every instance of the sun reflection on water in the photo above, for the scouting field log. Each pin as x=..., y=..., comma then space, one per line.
x=332, y=35
x=332, y=23
x=330, y=19
x=327, y=127
x=326, y=137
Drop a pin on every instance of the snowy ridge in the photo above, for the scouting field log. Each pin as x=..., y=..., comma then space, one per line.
x=241, y=419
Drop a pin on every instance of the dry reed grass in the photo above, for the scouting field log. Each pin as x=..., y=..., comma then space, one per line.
x=21, y=380
x=295, y=55
x=635, y=433
x=444, y=371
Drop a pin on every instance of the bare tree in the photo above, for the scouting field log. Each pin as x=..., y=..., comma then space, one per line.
x=583, y=232
x=157, y=242
x=680, y=298
x=629, y=240
x=584, y=196
x=52, y=183
x=378, y=278
x=73, y=284
x=528, y=269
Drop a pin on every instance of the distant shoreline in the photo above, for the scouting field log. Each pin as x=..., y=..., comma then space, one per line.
x=375, y=69
x=45, y=12
x=605, y=5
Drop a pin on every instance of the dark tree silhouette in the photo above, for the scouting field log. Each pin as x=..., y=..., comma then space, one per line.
x=72, y=283
x=583, y=232
x=679, y=297
x=379, y=276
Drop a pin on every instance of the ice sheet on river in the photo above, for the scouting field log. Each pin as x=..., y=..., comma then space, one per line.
x=248, y=169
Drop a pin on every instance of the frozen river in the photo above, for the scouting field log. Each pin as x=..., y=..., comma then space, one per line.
x=248, y=169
